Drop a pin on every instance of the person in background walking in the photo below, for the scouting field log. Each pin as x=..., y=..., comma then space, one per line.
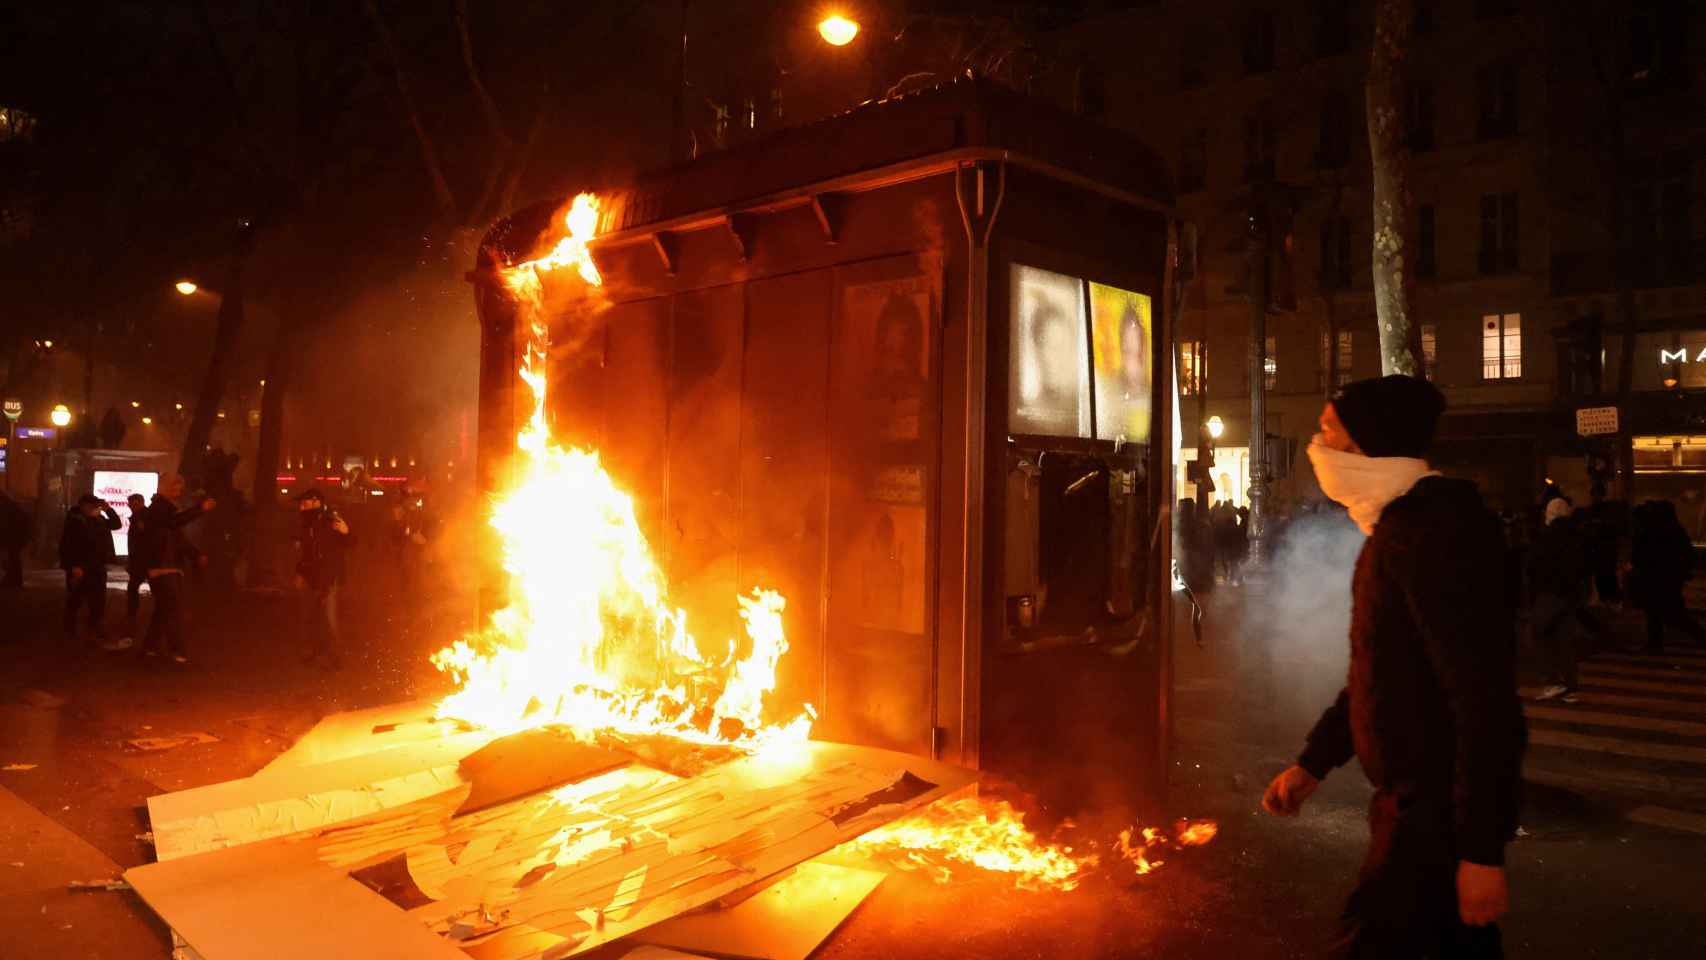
x=1558, y=583
x=414, y=528
x=85, y=549
x=168, y=555
x=1603, y=529
x=1662, y=557
x=14, y=535
x=321, y=542
x=1430, y=707
x=136, y=570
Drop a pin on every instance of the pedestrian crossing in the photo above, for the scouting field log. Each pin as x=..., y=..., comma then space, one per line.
x=1635, y=727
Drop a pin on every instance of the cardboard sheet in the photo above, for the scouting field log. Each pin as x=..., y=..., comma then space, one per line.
x=787, y=920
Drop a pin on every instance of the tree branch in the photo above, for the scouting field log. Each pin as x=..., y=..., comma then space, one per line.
x=429, y=154
x=488, y=107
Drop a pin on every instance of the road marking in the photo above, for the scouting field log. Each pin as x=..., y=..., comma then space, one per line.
x=1669, y=673
x=1628, y=748
x=1631, y=700
x=1603, y=719
x=1697, y=664
x=1666, y=817
x=1620, y=683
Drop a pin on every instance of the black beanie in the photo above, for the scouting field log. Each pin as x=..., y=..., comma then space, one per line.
x=1391, y=416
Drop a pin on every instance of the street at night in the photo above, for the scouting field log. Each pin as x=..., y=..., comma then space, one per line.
x=781, y=479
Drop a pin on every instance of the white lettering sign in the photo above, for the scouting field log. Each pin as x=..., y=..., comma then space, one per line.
x=1595, y=421
x=1680, y=355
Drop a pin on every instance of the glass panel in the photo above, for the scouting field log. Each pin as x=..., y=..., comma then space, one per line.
x=1513, y=344
x=1270, y=366
x=1120, y=322
x=1430, y=350
x=1048, y=382
x=1490, y=347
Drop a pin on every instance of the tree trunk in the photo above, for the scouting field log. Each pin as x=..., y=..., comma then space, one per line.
x=218, y=365
x=1394, y=206
x=271, y=523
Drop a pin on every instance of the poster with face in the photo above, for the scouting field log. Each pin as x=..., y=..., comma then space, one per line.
x=897, y=313
x=1120, y=323
x=1048, y=376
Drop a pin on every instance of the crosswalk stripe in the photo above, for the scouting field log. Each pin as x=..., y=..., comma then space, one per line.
x=1668, y=673
x=1666, y=817
x=1543, y=737
x=1687, y=664
x=1599, y=698
x=1628, y=683
x=1602, y=718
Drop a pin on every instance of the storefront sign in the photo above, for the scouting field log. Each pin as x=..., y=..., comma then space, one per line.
x=1682, y=354
x=37, y=433
x=14, y=410
x=1596, y=421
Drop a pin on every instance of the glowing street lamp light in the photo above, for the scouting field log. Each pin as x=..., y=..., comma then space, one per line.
x=837, y=30
x=61, y=415
x=147, y=421
x=186, y=287
x=1216, y=427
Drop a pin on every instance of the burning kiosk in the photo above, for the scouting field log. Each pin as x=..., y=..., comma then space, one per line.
x=908, y=366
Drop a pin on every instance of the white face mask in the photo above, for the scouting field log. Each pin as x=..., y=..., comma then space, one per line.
x=1365, y=485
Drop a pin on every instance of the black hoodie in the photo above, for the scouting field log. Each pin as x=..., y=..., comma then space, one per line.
x=1430, y=707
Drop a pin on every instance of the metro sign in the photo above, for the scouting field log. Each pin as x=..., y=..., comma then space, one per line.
x=1681, y=355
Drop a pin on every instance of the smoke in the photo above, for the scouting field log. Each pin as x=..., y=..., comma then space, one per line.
x=1304, y=617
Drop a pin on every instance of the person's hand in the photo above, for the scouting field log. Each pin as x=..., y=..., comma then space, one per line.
x=339, y=525
x=1288, y=791
x=1482, y=896
x=76, y=573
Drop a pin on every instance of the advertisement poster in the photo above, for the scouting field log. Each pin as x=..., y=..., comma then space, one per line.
x=898, y=313
x=1048, y=377
x=115, y=487
x=1120, y=324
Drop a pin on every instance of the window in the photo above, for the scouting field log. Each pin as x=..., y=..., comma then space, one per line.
x=1496, y=87
x=1333, y=149
x=1658, y=45
x=1193, y=59
x=1659, y=220
x=1421, y=116
x=1426, y=266
x=1193, y=162
x=1092, y=91
x=16, y=125
x=1259, y=42
x=1270, y=366
x=1332, y=27
x=1501, y=346
x=1345, y=356
x=1430, y=351
x=1499, y=233
x=1259, y=145
x=1193, y=368
x=1335, y=249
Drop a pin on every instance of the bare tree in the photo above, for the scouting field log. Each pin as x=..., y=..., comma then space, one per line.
x=1394, y=205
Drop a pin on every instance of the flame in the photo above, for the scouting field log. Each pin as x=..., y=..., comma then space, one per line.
x=990, y=834
x=589, y=638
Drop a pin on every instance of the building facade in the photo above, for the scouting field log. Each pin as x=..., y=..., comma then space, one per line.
x=1512, y=263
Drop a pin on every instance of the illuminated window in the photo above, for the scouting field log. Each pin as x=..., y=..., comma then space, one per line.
x=1501, y=346
x=1346, y=355
x=1193, y=367
x=16, y=126
x=1270, y=366
x=1430, y=351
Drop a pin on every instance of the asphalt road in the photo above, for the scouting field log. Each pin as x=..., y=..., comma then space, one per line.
x=1587, y=880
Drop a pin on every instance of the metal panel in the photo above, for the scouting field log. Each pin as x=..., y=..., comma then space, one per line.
x=636, y=408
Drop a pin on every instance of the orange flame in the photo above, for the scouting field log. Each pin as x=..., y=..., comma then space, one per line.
x=589, y=638
x=990, y=834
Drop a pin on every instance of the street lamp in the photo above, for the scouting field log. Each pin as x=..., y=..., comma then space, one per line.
x=186, y=287
x=837, y=30
x=61, y=415
x=1216, y=427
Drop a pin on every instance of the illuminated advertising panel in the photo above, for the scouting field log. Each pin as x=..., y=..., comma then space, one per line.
x=1048, y=375
x=115, y=487
x=1120, y=323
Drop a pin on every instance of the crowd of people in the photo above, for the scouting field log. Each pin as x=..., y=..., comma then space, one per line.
x=170, y=540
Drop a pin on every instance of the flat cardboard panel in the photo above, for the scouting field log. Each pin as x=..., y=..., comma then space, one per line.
x=636, y=409
x=703, y=494
x=786, y=921
x=785, y=464
x=356, y=732
x=276, y=900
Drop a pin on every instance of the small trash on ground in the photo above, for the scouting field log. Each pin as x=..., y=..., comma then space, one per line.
x=93, y=886
x=41, y=699
x=152, y=744
x=18, y=766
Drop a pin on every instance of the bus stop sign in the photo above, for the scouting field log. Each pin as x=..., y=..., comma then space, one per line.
x=14, y=410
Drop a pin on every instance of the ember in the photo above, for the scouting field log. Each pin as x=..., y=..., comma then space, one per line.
x=589, y=639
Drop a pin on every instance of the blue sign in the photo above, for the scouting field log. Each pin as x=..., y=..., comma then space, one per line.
x=37, y=433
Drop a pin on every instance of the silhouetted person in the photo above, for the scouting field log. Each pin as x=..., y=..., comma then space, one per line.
x=112, y=430
x=1430, y=706
x=135, y=568
x=169, y=556
x=1663, y=559
x=14, y=536
x=85, y=549
x=1558, y=584
x=321, y=542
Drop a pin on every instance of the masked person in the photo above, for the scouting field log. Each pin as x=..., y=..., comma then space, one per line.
x=135, y=568
x=167, y=556
x=321, y=542
x=85, y=549
x=1430, y=707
